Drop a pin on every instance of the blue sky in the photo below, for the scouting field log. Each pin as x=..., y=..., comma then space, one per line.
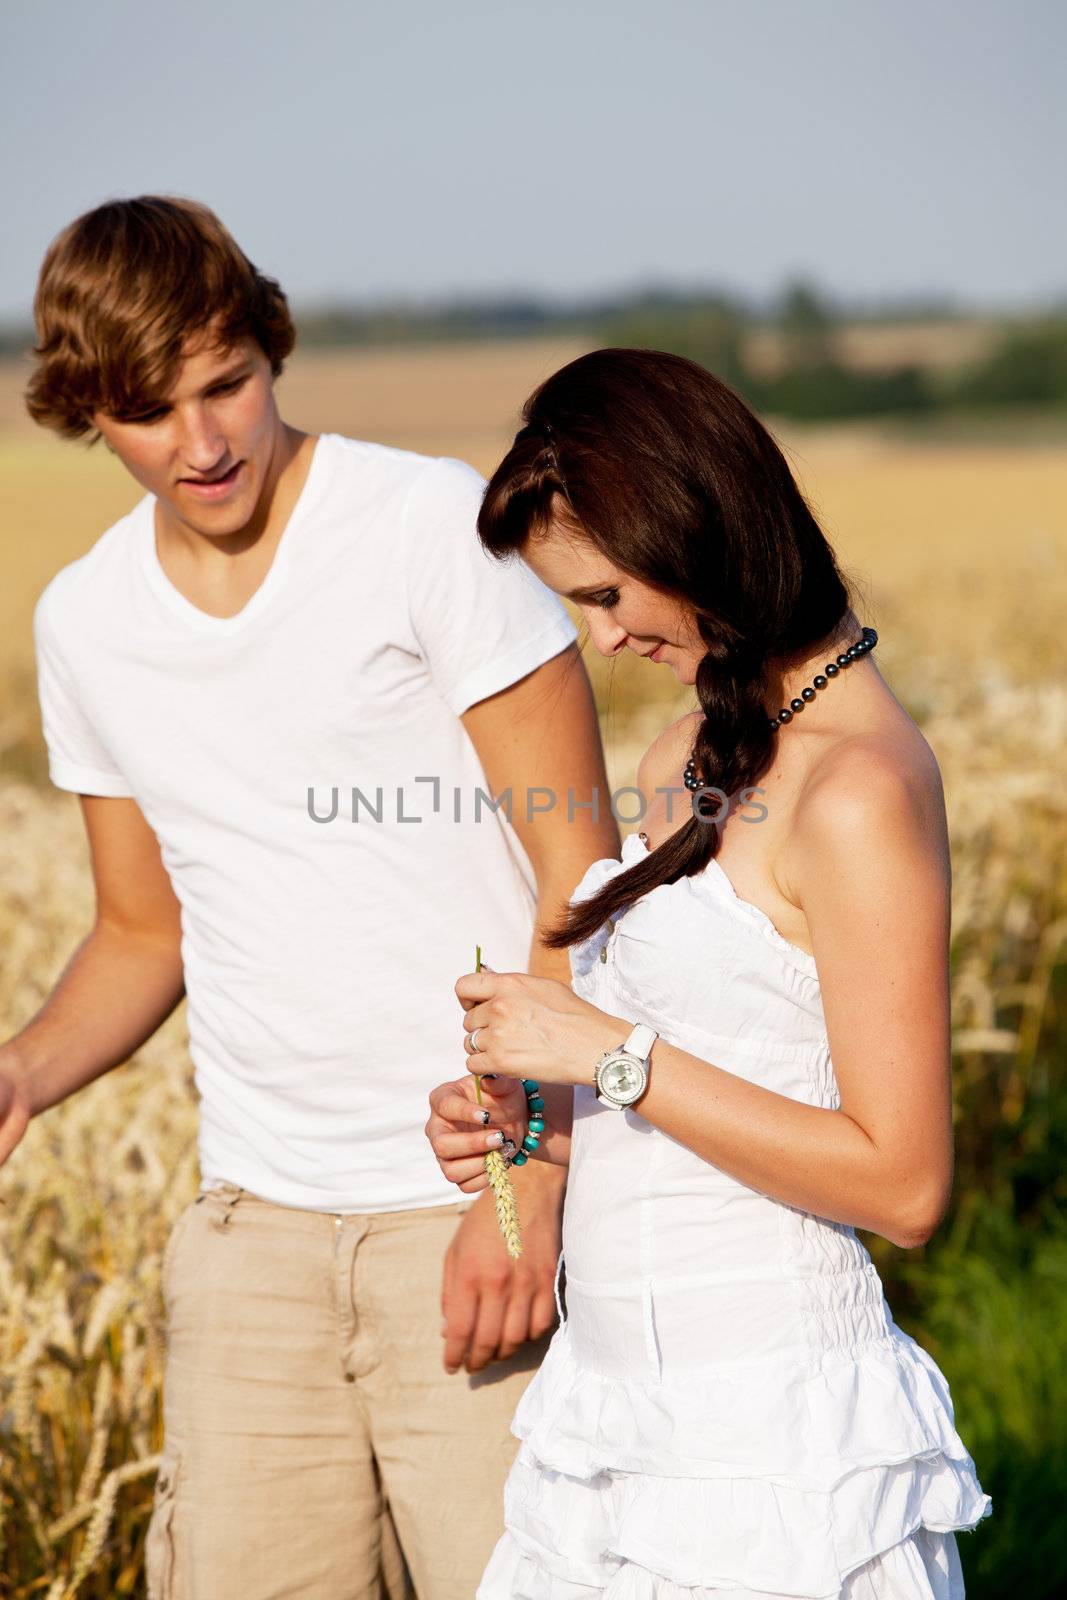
x=415, y=150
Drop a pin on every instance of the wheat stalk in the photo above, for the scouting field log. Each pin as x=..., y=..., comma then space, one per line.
x=507, y=1212
x=96, y=1532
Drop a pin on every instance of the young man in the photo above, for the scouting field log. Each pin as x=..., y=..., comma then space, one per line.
x=278, y=685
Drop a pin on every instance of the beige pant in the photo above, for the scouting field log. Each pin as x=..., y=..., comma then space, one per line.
x=309, y=1423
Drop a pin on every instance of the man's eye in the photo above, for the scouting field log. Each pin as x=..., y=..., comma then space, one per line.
x=146, y=416
x=231, y=387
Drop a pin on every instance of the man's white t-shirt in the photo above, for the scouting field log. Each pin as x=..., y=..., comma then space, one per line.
x=322, y=929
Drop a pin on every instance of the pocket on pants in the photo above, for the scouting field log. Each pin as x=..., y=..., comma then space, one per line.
x=159, y=1551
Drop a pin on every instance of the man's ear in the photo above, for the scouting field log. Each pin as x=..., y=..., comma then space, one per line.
x=96, y=435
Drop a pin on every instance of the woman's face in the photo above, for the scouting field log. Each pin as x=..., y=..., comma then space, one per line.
x=620, y=611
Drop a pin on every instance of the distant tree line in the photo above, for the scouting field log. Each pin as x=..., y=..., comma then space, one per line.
x=1026, y=364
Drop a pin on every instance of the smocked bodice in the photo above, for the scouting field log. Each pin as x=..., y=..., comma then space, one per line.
x=713, y=975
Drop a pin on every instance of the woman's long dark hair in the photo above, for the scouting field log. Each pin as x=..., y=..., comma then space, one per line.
x=668, y=473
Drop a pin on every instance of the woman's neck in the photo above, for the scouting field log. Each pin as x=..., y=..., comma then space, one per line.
x=785, y=683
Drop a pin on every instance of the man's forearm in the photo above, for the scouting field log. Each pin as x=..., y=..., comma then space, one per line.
x=115, y=991
x=555, y=1148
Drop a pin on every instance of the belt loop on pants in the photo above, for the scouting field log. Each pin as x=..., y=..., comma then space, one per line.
x=221, y=1221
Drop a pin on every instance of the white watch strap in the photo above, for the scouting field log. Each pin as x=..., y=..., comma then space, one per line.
x=640, y=1042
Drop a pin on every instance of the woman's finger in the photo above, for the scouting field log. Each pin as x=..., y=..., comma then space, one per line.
x=499, y=1087
x=467, y=1171
x=506, y=1096
x=478, y=1016
x=476, y=1040
x=467, y=1114
x=475, y=1185
x=449, y=1146
x=461, y=1088
x=483, y=1064
x=474, y=986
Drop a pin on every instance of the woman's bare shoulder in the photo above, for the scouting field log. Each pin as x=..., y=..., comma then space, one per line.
x=895, y=753
x=878, y=789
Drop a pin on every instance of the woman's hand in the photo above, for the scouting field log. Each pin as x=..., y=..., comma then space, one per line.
x=534, y=1028
x=462, y=1132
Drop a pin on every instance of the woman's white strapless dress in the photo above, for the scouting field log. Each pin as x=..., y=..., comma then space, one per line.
x=728, y=1410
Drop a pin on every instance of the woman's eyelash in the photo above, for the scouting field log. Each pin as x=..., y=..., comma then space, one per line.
x=609, y=598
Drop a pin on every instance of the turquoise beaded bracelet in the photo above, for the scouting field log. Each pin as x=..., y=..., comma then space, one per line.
x=535, y=1123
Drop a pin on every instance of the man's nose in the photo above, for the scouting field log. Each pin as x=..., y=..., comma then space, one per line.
x=202, y=442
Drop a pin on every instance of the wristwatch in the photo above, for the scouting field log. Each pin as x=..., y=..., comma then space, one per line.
x=622, y=1075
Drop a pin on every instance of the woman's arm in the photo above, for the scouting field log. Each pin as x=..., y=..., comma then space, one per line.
x=869, y=866
x=870, y=869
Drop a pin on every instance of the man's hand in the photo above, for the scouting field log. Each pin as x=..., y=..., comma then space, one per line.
x=14, y=1107
x=123, y=980
x=490, y=1304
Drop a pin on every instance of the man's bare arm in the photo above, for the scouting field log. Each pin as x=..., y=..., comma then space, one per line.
x=121, y=983
x=539, y=736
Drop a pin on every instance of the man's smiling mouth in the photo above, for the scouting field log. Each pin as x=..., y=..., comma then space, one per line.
x=210, y=487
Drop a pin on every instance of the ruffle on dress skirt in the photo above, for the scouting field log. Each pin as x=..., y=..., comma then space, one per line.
x=923, y=1567
x=805, y=1480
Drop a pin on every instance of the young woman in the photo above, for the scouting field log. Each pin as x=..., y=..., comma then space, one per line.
x=756, y=1046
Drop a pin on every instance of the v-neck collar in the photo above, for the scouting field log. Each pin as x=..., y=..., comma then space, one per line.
x=173, y=598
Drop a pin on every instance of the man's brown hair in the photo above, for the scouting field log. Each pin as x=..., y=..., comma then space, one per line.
x=122, y=289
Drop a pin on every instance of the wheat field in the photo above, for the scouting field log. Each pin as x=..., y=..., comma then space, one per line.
x=959, y=550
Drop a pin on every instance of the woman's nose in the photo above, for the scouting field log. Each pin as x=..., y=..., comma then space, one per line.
x=608, y=638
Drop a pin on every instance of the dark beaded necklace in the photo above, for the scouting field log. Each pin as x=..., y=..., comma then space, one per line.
x=862, y=647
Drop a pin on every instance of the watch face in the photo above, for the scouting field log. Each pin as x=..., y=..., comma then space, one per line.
x=623, y=1080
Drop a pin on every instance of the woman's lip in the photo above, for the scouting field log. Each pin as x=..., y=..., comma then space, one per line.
x=217, y=488
x=653, y=655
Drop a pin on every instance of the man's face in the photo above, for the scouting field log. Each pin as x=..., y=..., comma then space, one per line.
x=204, y=448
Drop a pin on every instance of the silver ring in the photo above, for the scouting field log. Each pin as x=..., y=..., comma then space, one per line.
x=474, y=1046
